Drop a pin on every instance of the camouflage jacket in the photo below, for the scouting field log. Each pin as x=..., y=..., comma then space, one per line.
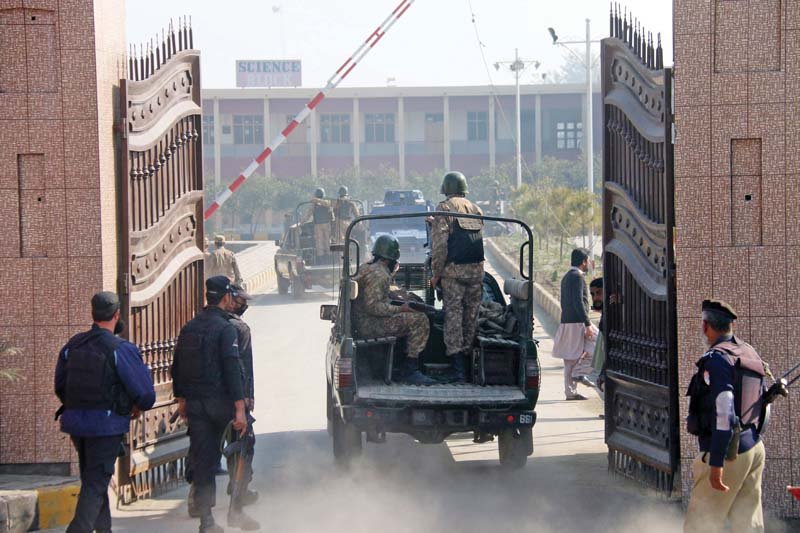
x=373, y=300
x=440, y=233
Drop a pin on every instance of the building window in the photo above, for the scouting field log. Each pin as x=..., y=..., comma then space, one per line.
x=434, y=118
x=248, y=129
x=334, y=128
x=569, y=135
x=379, y=127
x=477, y=125
x=208, y=129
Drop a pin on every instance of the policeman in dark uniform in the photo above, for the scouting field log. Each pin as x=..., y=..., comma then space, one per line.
x=207, y=381
x=725, y=411
x=240, y=299
x=102, y=383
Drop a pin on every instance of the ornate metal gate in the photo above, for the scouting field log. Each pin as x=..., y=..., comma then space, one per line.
x=161, y=268
x=638, y=220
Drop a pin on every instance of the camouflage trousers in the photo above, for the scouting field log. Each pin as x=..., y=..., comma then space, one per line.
x=414, y=326
x=462, y=303
x=322, y=239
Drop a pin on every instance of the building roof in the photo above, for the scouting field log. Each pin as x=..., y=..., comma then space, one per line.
x=395, y=92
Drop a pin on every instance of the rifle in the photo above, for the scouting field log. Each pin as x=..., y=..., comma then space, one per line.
x=778, y=389
x=239, y=448
x=419, y=306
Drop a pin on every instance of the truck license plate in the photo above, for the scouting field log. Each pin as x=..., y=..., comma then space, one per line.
x=526, y=419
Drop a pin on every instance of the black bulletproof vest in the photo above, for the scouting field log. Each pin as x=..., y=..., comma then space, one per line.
x=92, y=379
x=464, y=246
x=322, y=214
x=197, y=356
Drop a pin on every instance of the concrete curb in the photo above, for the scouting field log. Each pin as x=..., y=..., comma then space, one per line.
x=49, y=505
x=541, y=296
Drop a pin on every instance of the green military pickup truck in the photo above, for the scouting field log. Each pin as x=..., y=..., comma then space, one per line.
x=364, y=398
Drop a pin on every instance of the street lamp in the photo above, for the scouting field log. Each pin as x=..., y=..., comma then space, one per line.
x=588, y=137
x=517, y=66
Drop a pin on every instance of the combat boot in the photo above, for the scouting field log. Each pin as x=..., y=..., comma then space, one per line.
x=457, y=373
x=239, y=520
x=413, y=376
x=207, y=525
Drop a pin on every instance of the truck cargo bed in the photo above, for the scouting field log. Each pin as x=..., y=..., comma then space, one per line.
x=452, y=394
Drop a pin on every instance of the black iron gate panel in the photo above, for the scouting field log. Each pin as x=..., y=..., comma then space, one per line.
x=162, y=258
x=638, y=219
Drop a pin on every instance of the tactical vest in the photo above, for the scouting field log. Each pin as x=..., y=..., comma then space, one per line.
x=323, y=214
x=345, y=210
x=748, y=389
x=197, y=355
x=91, y=370
x=465, y=243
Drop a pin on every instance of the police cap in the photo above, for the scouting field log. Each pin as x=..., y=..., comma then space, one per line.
x=720, y=308
x=218, y=286
x=237, y=291
x=104, y=305
x=219, y=239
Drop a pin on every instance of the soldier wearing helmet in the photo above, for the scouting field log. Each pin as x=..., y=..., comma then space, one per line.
x=375, y=316
x=457, y=264
x=345, y=210
x=321, y=213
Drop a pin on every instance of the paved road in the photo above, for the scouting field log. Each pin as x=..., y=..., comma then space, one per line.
x=402, y=486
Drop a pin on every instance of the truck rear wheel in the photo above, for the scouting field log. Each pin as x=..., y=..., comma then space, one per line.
x=298, y=287
x=514, y=446
x=283, y=285
x=346, y=441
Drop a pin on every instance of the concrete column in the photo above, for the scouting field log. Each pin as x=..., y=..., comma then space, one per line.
x=538, y=129
x=446, y=127
x=492, y=138
x=355, y=133
x=401, y=140
x=267, y=128
x=217, y=144
x=313, y=143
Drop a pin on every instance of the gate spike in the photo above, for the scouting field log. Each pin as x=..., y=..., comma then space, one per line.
x=659, y=54
x=180, y=36
x=185, y=35
x=158, y=55
x=191, y=34
x=611, y=19
x=163, y=46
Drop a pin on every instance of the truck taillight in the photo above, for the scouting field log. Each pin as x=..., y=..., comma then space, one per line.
x=531, y=374
x=343, y=373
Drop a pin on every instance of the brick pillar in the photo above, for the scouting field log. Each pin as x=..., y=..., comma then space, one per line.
x=59, y=76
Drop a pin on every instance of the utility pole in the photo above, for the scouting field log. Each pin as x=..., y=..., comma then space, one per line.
x=517, y=66
x=588, y=138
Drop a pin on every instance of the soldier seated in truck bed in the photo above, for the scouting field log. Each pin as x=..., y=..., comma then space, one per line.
x=375, y=316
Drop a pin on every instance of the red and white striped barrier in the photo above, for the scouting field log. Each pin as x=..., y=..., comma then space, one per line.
x=340, y=74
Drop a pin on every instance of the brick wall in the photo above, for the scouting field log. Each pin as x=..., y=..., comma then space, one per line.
x=737, y=181
x=60, y=65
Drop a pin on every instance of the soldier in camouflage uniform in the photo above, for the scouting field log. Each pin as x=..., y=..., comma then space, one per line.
x=457, y=263
x=321, y=213
x=345, y=210
x=375, y=316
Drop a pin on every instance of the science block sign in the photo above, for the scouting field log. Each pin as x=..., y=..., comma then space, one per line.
x=269, y=73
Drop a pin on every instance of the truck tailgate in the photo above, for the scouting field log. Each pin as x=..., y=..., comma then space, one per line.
x=453, y=394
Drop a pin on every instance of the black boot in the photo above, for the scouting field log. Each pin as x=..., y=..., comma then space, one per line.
x=459, y=372
x=413, y=376
x=207, y=525
x=194, y=512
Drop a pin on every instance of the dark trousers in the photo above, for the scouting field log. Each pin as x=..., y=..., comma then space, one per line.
x=207, y=421
x=96, y=456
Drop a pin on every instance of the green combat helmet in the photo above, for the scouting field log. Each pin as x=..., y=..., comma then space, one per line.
x=343, y=191
x=386, y=247
x=319, y=193
x=454, y=183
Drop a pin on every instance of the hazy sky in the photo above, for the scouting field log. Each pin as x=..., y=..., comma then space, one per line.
x=434, y=43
